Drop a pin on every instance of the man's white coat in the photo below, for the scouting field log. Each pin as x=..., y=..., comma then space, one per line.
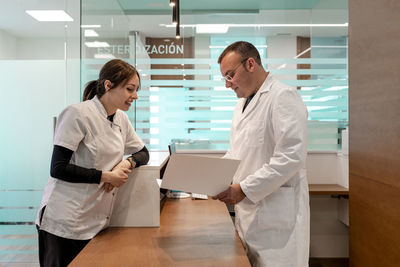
x=270, y=139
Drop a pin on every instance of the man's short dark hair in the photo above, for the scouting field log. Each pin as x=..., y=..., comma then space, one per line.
x=244, y=49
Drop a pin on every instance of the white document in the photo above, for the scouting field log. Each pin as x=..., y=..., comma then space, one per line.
x=199, y=174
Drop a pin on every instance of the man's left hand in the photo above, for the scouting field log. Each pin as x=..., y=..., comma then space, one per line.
x=232, y=195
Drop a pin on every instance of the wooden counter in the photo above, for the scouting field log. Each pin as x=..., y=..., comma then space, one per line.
x=191, y=233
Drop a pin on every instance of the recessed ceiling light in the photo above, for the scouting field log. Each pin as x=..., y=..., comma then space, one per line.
x=91, y=26
x=49, y=15
x=91, y=33
x=97, y=44
x=258, y=25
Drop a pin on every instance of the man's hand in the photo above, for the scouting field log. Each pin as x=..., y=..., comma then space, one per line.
x=232, y=195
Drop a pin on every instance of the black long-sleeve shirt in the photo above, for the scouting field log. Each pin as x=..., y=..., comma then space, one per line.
x=61, y=168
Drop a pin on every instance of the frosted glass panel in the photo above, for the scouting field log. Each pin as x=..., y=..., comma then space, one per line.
x=202, y=108
x=180, y=108
x=33, y=92
x=39, y=66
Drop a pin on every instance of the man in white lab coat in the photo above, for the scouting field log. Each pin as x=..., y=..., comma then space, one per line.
x=269, y=136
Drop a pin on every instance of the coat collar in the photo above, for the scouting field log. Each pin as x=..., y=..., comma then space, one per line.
x=100, y=107
x=103, y=112
x=265, y=87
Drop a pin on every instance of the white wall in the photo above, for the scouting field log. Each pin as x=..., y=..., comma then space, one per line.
x=327, y=168
x=7, y=45
x=202, y=50
x=40, y=48
x=282, y=47
x=12, y=47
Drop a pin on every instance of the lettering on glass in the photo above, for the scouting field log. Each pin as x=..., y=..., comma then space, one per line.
x=162, y=49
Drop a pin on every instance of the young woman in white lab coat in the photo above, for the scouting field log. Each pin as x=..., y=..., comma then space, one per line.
x=269, y=136
x=89, y=142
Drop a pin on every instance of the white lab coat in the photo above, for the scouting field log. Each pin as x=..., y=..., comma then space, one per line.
x=81, y=210
x=270, y=139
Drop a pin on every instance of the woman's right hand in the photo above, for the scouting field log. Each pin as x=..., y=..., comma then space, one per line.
x=117, y=177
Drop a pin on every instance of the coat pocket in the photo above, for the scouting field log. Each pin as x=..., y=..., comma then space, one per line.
x=278, y=210
x=254, y=134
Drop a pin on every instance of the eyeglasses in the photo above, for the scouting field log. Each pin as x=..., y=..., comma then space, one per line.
x=229, y=77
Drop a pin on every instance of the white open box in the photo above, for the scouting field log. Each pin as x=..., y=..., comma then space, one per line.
x=137, y=202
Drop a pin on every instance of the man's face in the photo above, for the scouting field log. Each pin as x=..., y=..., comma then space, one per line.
x=235, y=73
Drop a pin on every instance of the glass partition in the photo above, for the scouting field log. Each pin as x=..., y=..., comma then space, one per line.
x=45, y=65
x=39, y=66
x=302, y=43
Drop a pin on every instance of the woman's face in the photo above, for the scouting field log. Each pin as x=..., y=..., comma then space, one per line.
x=122, y=96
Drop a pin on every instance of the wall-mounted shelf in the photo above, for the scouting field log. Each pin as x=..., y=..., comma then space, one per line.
x=328, y=189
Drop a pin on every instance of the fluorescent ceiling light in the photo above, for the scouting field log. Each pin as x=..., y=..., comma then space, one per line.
x=212, y=28
x=91, y=26
x=261, y=25
x=91, y=33
x=97, y=44
x=49, y=15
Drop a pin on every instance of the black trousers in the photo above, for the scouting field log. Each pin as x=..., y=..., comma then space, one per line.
x=56, y=251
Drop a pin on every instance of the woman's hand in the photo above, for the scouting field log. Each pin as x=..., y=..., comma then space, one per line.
x=108, y=187
x=122, y=165
x=117, y=177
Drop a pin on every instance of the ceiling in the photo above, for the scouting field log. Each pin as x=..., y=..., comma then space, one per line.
x=226, y=6
x=212, y=6
x=145, y=16
x=16, y=22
